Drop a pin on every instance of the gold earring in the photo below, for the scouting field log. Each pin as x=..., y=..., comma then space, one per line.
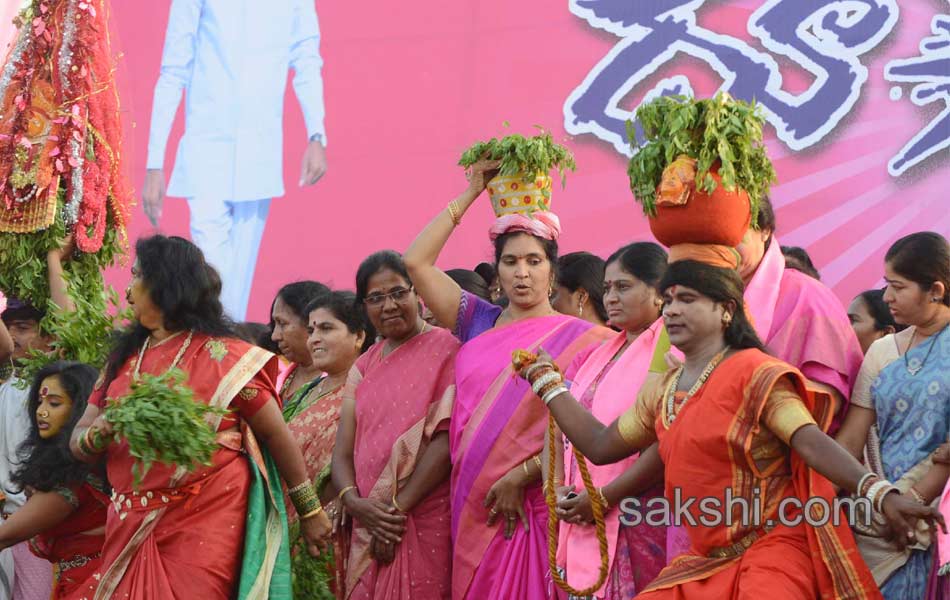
x=726, y=319
x=580, y=312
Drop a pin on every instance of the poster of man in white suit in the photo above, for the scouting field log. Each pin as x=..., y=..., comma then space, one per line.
x=230, y=58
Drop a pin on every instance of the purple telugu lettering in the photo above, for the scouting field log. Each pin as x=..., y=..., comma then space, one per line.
x=931, y=73
x=826, y=37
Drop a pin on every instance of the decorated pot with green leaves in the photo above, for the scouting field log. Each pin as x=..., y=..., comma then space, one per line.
x=702, y=171
x=523, y=183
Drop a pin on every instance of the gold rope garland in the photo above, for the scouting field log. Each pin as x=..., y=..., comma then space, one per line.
x=522, y=358
x=596, y=507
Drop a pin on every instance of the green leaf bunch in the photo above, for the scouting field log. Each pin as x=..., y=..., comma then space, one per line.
x=313, y=578
x=719, y=130
x=162, y=422
x=84, y=335
x=527, y=156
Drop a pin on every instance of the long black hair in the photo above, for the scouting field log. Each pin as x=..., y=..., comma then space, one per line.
x=344, y=308
x=48, y=464
x=647, y=261
x=579, y=270
x=720, y=285
x=183, y=286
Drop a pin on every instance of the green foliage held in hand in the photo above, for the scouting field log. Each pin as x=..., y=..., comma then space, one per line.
x=23, y=262
x=312, y=577
x=162, y=422
x=85, y=335
x=720, y=129
x=528, y=156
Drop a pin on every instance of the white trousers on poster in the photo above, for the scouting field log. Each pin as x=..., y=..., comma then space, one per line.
x=229, y=233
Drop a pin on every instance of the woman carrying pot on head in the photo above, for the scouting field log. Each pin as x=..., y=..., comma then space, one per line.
x=181, y=532
x=900, y=411
x=288, y=331
x=338, y=333
x=603, y=380
x=391, y=458
x=732, y=418
x=498, y=510
x=65, y=515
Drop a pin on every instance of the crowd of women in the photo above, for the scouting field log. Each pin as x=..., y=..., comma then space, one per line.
x=388, y=447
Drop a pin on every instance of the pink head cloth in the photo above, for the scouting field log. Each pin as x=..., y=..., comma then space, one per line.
x=542, y=223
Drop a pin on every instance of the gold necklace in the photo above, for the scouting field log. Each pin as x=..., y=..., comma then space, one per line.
x=181, y=352
x=391, y=348
x=671, y=390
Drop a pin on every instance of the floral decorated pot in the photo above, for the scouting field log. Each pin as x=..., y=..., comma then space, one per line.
x=510, y=194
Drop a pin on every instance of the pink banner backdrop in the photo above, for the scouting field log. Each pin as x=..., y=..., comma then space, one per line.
x=857, y=93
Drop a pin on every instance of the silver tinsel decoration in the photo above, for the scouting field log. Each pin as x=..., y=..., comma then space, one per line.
x=66, y=50
x=71, y=208
x=23, y=41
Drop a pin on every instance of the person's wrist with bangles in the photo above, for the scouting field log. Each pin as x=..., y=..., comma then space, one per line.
x=91, y=442
x=305, y=500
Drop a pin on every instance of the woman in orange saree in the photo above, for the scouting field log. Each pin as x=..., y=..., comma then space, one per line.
x=180, y=534
x=391, y=459
x=725, y=421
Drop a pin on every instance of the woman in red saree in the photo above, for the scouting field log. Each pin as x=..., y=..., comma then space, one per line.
x=498, y=512
x=65, y=516
x=725, y=421
x=391, y=459
x=180, y=533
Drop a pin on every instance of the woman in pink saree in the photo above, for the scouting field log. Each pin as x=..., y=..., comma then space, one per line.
x=498, y=511
x=603, y=379
x=391, y=458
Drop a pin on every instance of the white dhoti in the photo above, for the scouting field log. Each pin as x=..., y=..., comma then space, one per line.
x=229, y=233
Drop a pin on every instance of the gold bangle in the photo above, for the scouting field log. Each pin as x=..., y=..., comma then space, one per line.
x=917, y=496
x=396, y=504
x=343, y=492
x=524, y=466
x=455, y=213
x=603, y=497
x=537, y=461
x=89, y=446
x=312, y=513
x=299, y=487
x=305, y=499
